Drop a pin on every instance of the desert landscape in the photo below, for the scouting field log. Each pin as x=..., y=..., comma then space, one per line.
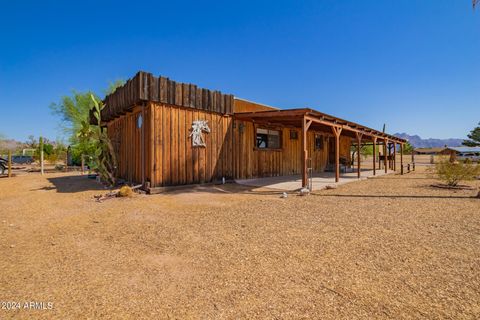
x=389, y=247
x=240, y=160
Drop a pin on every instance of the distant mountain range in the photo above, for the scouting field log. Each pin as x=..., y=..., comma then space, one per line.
x=10, y=144
x=417, y=142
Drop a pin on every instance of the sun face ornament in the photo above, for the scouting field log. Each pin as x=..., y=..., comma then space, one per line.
x=198, y=127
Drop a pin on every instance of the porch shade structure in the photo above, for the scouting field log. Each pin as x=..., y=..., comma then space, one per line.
x=309, y=119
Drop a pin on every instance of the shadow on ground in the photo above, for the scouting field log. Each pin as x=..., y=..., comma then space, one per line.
x=72, y=184
x=228, y=188
x=392, y=196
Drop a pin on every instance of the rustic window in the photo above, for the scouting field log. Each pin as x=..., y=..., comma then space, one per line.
x=318, y=142
x=268, y=139
x=293, y=135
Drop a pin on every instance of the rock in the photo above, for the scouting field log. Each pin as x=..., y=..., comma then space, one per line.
x=331, y=186
x=284, y=195
x=12, y=246
x=478, y=195
x=304, y=192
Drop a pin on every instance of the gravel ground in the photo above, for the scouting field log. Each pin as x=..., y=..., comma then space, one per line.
x=386, y=248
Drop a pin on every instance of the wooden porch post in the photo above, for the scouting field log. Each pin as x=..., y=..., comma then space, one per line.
x=374, y=155
x=359, y=141
x=305, y=125
x=385, y=157
x=413, y=157
x=401, y=158
x=337, y=131
x=394, y=156
x=389, y=151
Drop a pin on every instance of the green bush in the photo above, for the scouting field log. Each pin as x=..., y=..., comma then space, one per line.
x=452, y=173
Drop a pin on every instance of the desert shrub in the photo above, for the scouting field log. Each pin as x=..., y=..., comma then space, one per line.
x=125, y=191
x=452, y=173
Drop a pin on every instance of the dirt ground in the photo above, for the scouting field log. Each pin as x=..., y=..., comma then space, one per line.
x=386, y=248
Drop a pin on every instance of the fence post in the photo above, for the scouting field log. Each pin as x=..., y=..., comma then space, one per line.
x=41, y=155
x=83, y=164
x=9, y=163
x=66, y=161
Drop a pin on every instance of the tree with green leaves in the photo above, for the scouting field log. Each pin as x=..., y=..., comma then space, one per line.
x=74, y=111
x=473, y=138
x=88, y=139
x=407, y=148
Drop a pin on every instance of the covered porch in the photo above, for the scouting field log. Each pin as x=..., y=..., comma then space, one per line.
x=311, y=120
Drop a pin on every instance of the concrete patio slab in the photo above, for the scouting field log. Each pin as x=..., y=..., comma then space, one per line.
x=320, y=180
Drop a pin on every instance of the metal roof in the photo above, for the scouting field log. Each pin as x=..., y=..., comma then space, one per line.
x=465, y=149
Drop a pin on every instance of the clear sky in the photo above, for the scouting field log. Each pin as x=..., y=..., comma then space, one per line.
x=414, y=65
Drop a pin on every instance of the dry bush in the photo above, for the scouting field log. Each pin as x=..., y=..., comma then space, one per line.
x=125, y=191
x=452, y=173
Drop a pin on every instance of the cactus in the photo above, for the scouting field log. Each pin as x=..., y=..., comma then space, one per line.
x=103, y=158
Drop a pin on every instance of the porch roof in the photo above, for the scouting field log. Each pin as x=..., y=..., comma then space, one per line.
x=319, y=121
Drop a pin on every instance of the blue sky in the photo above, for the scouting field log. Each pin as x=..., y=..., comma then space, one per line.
x=414, y=65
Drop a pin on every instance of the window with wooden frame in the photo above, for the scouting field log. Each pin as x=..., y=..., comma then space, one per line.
x=318, y=142
x=268, y=139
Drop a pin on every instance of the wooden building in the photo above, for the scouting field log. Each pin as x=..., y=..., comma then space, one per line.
x=168, y=133
x=431, y=151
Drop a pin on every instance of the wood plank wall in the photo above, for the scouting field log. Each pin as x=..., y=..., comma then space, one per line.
x=170, y=159
x=177, y=162
x=145, y=87
x=240, y=105
x=127, y=142
x=250, y=162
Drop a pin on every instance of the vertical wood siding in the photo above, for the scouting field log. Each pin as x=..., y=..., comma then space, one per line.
x=250, y=162
x=126, y=140
x=177, y=162
x=170, y=159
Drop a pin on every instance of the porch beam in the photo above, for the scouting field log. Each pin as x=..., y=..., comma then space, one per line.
x=359, y=142
x=394, y=156
x=337, y=131
x=346, y=127
x=317, y=117
x=385, y=157
x=304, y=153
x=401, y=158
